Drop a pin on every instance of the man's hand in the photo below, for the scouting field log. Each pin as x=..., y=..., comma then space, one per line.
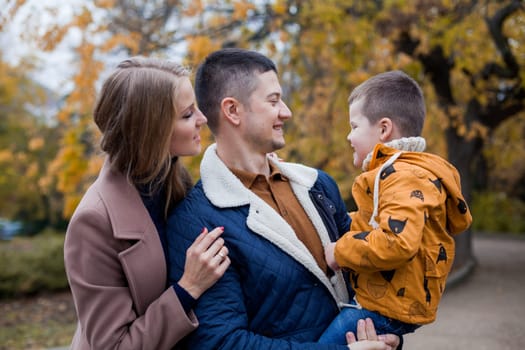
x=369, y=340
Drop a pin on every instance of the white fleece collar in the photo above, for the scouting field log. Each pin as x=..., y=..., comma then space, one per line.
x=224, y=189
x=408, y=144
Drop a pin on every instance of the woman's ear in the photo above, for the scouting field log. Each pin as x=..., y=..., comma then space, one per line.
x=230, y=110
x=386, y=129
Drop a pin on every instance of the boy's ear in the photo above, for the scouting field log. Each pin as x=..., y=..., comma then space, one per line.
x=387, y=129
x=230, y=109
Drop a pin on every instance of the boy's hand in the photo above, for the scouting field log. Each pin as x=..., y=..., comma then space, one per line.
x=329, y=256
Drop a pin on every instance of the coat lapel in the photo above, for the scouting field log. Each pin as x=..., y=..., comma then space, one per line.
x=131, y=221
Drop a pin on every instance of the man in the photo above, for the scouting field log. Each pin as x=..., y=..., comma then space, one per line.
x=278, y=292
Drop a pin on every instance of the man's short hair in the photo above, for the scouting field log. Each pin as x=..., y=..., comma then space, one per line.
x=229, y=72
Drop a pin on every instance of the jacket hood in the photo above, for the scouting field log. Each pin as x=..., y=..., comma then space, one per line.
x=458, y=214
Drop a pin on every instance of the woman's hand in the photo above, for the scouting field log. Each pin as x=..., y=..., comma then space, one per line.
x=206, y=261
x=369, y=340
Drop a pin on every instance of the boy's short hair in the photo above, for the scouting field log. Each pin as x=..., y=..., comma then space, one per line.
x=394, y=95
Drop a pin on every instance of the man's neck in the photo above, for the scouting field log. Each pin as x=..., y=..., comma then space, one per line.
x=243, y=158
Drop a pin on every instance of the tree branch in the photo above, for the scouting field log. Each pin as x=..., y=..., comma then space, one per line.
x=495, y=25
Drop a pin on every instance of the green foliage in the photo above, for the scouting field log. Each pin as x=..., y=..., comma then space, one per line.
x=32, y=265
x=27, y=144
x=496, y=212
x=504, y=152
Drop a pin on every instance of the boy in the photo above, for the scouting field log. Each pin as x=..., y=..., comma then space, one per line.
x=400, y=247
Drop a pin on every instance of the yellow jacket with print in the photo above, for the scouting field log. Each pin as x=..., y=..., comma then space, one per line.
x=400, y=247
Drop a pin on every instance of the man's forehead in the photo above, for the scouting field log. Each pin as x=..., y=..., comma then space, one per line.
x=268, y=82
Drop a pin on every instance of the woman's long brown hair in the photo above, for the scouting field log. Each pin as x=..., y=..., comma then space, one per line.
x=135, y=112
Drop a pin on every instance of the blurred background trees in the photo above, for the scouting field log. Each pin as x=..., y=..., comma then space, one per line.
x=27, y=147
x=468, y=56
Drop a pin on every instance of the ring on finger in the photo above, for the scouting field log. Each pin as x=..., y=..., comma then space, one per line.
x=221, y=255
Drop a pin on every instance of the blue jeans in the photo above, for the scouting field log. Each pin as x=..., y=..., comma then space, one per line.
x=347, y=319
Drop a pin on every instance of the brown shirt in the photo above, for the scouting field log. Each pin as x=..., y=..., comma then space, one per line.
x=277, y=192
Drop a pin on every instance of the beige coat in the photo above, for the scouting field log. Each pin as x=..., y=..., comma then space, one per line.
x=116, y=269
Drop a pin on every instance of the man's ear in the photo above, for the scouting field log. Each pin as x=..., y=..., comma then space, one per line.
x=230, y=109
x=387, y=129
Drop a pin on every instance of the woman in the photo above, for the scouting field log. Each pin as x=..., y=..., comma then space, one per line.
x=114, y=248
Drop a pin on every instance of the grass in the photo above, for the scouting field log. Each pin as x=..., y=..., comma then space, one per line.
x=37, y=322
x=36, y=307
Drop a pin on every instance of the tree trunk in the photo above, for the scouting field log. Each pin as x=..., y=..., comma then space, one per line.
x=464, y=154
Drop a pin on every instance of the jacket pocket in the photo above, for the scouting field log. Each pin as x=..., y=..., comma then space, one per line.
x=326, y=210
x=438, y=261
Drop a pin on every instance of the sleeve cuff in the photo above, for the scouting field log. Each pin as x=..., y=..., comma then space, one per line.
x=186, y=300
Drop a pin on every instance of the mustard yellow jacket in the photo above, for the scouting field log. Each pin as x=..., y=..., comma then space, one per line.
x=400, y=249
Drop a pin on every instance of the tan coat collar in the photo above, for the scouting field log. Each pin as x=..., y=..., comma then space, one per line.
x=121, y=198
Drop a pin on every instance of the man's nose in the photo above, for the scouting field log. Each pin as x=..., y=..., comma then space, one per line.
x=284, y=111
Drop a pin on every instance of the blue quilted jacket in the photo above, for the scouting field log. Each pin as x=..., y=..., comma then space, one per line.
x=274, y=295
